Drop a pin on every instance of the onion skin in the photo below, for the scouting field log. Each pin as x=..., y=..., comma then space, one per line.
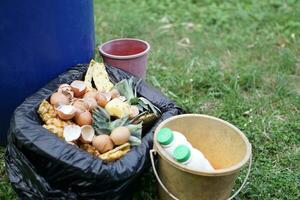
x=58, y=98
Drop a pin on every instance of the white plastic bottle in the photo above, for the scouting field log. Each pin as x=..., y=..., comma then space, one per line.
x=169, y=140
x=205, y=163
x=192, y=158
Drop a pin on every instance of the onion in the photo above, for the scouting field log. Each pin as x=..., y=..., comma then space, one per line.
x=79, y=88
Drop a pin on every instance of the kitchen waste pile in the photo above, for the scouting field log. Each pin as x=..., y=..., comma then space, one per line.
x=105, y=120
x=85, y=135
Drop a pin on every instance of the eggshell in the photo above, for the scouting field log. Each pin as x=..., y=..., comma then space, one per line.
x=90, y=94
x=91, y=102
x=103, y=143
x=66, y=89
x=102, y=99
x=114, y=93
x=120, y=135
x=80, y=104
x=65, y=112
x=58, y=98
x=87, y=134
x=79, y=88
x=71, y=133
x=83, y=118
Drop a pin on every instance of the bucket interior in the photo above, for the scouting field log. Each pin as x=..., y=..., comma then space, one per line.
x=221, y=143
x=125, y=47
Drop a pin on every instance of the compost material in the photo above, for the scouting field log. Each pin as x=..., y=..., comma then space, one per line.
x=42, y=166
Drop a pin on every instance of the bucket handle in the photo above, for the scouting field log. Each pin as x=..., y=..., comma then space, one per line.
x=153, y=152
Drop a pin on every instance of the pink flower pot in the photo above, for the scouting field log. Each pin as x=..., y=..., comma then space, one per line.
x=128, y=54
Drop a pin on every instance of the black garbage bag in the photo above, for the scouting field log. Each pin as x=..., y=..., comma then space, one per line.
x=42, y=166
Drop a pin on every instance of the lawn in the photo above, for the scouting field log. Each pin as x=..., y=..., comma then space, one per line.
x=237, y=60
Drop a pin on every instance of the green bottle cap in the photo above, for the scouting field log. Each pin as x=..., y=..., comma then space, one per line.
x=165, y=136
x=182, y=153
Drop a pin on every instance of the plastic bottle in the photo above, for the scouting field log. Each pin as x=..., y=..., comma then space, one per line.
x=206, y=164
x=169, y=139
x=192, y=158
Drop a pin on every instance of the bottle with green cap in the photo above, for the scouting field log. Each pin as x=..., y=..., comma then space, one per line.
x=169, y=139
x=192, y=158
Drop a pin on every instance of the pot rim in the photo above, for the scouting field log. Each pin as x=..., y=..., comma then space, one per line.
x=103, y=53
x=217, y=172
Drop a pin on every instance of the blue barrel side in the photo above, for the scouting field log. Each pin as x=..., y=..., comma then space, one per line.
x=38, y=41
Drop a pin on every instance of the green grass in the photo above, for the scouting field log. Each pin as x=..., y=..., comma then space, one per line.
x=237, y=60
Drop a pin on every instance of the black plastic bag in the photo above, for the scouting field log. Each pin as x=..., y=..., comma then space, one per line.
x=42, y=166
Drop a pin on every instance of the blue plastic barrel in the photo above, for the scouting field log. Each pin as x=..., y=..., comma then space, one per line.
x=39, y=39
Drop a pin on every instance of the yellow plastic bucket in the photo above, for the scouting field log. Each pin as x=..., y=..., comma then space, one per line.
x=224, y=145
